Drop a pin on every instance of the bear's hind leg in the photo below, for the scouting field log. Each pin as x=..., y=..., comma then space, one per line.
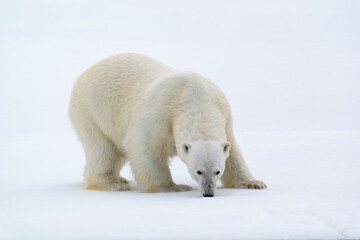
x=102, y=170
x=103, y=162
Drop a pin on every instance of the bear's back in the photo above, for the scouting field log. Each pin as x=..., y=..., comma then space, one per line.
x=107, y=91
x=124, y=71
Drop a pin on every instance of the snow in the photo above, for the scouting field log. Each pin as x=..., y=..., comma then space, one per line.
x=290, y=70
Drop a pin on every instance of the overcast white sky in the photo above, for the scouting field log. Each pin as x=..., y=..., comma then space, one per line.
x=283, y=65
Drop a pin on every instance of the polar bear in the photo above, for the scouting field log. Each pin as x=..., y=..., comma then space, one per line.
x=130, y=107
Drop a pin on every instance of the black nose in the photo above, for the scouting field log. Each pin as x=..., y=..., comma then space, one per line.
x=208, y=195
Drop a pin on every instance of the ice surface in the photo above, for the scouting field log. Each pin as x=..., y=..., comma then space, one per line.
x=290, y=69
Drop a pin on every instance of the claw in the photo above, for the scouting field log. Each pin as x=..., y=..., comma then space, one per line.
x=252, y=185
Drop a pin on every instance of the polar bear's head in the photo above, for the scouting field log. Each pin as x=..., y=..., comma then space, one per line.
x=205, y=161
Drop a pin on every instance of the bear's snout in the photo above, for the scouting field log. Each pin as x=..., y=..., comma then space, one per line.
x=208, y=195
x=209, y=189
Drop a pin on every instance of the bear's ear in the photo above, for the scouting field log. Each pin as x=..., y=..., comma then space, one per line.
x=226, y=147
x=186, y=147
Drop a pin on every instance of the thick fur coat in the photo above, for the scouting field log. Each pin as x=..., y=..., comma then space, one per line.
x=130, y=107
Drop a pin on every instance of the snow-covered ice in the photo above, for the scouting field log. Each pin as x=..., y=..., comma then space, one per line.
x=313, y=194
x=290, y=69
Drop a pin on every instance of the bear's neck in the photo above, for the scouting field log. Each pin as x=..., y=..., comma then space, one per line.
x=199, y=125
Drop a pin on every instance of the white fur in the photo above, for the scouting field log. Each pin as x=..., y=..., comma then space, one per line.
x=132, y=108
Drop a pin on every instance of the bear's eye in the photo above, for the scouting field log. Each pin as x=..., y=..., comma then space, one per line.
x=217, y=173
x=199, y=172
x=186, y=148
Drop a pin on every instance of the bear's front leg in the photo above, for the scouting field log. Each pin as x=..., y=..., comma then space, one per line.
x=152, y=173
x=237, y=174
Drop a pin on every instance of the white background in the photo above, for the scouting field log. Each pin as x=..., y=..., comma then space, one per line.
x=290, y=69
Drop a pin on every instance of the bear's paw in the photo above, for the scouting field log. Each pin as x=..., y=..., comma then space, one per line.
x=252, y=185
x=112, y=187
x=179, y=188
